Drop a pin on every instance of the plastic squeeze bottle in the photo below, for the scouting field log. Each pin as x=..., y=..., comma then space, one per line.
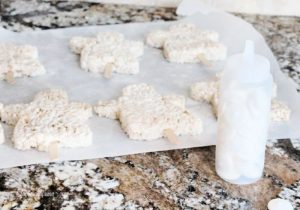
x=243, y=117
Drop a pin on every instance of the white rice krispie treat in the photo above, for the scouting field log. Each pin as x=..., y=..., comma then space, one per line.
x=2, y=137
x=204, y=91
x=209, y=92
x=185, y=43
x=50, y=118
x=182, y=31
x=77, y=43
x=189, y=51
x=19, y=61
x=52, y=95
x=108, y=52
x=145, y=114
x=107, y=109
x=10, y=114
x=280, y=111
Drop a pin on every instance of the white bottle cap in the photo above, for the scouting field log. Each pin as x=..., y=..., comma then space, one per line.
x=249, y=53
x=248, y=67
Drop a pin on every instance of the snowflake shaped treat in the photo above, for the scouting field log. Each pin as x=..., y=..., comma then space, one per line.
x=144, y=114
x=19, y=61
x=209, y=92
x=10, y=113
x=185, y=43
x=108, y=52
x=279, y=111
x=49, y=118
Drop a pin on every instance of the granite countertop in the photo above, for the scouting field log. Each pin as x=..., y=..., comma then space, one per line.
x=180, y=179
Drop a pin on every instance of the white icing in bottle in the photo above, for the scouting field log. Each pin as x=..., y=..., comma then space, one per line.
x=243, y=117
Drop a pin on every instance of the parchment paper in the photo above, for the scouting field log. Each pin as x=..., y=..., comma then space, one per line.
x=63, y=71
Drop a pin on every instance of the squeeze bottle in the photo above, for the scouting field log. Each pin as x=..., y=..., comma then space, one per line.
x=243, y=117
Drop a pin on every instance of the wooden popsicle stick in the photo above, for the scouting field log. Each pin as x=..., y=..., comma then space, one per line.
x=108, y=71
x=53, y=150
x=171, y=136
x=9, y=77
x=204, y=61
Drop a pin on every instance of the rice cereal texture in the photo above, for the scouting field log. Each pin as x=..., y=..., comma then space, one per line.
x=50, y=117
x=209, y=91
x=144, y=114
x=108, y=51
x=185, y=43
x=19, y=61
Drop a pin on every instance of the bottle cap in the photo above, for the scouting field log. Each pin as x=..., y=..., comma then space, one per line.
x=248, y=67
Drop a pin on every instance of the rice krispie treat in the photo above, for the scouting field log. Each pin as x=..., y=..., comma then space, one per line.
x=108, y=109
x=77, y=43
x=49, y=118
x=280, y=111
x=204, y=91
x=209, y=92
x=10, y=114
x=108, y=52
x=185, y=43
x=19, y=61
x=144, y=114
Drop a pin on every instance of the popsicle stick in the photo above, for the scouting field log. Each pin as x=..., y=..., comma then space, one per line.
x=9, y=77
x=171, y=136
x=108, y=71
x=204, y=61
x=53, y=150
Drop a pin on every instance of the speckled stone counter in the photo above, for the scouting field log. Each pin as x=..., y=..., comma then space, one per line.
x=181, y=179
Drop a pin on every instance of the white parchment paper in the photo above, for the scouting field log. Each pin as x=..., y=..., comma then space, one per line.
x=63, y=71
